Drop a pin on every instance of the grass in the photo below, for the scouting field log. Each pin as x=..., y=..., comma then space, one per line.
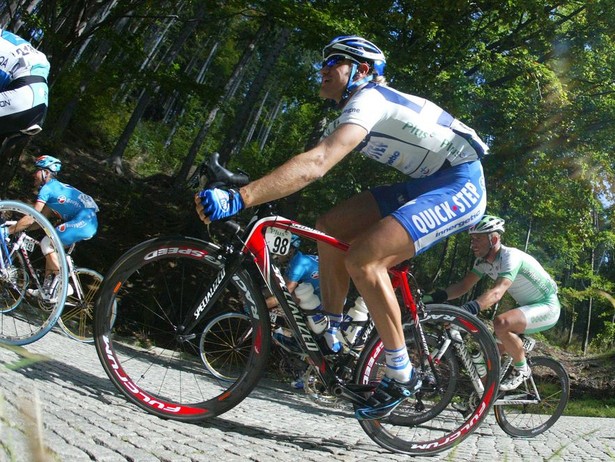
x=591, y=407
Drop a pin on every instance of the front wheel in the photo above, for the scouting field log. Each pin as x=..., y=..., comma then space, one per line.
x=139, y=334
x=442, y=413
x=32, y=312
x=538, y=403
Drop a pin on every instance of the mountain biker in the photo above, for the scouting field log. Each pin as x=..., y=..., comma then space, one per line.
x=23, y=84
x=76, y=210
x=517, y=273
x=444, y=193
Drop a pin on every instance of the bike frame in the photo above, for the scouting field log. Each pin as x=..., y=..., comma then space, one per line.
x=255, y=248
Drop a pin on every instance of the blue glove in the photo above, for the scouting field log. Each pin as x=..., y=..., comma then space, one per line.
x=219, y=203
x=471, y=307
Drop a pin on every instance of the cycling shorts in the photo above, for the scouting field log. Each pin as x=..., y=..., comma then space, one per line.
x=83, y=226
x=541, y=316
x=432, y=208
x=23, y=107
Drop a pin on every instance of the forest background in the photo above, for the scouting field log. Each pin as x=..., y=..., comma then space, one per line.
x=142, y=91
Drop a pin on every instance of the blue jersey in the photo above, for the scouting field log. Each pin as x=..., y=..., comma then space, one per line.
x=65, y=200
x=304, y=268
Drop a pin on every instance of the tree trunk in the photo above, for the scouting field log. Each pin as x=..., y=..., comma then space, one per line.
x=118, y=152
x=227, y=93
x=231, y=143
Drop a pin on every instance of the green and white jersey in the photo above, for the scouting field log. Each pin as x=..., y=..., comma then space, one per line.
x=530, y=282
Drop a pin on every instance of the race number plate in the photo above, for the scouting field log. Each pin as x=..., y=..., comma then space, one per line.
x=29, y=243
x=278, y=240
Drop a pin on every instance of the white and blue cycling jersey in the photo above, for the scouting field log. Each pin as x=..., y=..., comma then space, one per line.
x=24, y=93
x=304, y=268
x=76, y=209
x=445, y=192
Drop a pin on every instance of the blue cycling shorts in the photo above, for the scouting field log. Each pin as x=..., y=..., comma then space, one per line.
x=83, y=226
x=432, y=208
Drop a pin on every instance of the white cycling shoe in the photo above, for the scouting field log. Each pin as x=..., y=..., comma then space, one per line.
x=516, y=378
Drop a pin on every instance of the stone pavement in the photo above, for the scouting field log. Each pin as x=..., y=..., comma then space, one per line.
x=54, y=394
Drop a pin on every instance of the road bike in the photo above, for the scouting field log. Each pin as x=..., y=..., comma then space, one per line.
x=157, y=299
x=539, y=401
x=25, y=319
x=226, y=341
x=77, y=317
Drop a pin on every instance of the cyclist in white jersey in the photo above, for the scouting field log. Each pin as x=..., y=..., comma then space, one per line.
x=444, y=193
x=517, y=273
x=23, y=85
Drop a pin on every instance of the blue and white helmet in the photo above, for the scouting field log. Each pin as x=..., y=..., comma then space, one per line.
x=356, y=49
x=48, y=163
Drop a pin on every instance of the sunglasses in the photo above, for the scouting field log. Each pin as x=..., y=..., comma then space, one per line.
x=332, y=60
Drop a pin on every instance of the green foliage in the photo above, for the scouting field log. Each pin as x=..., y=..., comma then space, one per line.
x=534, y=80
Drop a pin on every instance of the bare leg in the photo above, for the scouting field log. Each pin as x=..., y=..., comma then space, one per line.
x=345, y=221
x=379, y=248
x=506, y=327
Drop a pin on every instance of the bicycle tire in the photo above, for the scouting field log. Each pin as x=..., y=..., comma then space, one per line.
x=33, y=318
x=153, y=286
x=77, y=318
x=528, y=420
x=13, y=282
x=406, y=430
x=225, y=345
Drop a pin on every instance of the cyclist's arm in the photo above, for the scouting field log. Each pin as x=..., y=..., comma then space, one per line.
x=462, y=287
x=305, y=168
x=27, y=220
x=495, y=294
x=272, y=302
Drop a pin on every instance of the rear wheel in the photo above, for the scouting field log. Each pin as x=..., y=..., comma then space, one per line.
x=77, y=318
x=441, y=414
x=537, y=403
x=144, y=302
x=31, y=316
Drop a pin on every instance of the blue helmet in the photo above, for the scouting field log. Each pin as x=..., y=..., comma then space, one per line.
x=358, y=50
x=48, y=163
x=295, y=241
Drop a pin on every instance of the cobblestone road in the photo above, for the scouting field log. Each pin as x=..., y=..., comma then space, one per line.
x=56, y=391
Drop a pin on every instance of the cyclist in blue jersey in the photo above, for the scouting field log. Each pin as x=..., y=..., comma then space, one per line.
x=75, y=209
x=443, y=193
x=23, y=85
x=517, y=273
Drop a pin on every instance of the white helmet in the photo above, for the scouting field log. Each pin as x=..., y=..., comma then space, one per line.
x=357, y=49
x=488, y=224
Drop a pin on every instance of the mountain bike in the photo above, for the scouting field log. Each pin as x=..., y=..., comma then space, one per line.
x=25, y=319
x=157, y=299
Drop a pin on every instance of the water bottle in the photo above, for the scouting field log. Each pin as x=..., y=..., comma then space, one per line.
x=353, y=321
x=309, y=302
x=479, y=362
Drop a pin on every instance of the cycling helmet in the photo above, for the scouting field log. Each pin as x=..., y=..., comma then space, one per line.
x=48, y=163
x=488, y=224
x=295, y=241
x=356, y=49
